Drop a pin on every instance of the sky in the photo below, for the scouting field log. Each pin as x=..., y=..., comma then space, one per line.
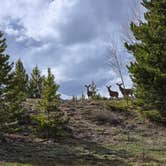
x=71, y=37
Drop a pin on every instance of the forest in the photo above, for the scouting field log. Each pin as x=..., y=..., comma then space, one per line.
x=38, y=127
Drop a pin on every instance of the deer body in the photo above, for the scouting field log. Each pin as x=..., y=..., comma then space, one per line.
x=125, y=92
x=112, y=93
x=89, y=92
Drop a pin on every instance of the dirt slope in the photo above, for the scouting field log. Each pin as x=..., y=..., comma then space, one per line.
x=103, y=133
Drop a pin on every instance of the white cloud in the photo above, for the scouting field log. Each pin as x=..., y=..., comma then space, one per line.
x=40, y=18
x=59, y=73
x=66, y=35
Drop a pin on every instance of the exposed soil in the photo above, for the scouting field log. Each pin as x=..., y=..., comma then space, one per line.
x=101, y=135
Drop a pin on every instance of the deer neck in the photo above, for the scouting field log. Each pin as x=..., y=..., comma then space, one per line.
x=121, y=89
x=109, y=90
x=88, y=90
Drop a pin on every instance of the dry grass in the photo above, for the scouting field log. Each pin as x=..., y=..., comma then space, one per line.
x=104, y=133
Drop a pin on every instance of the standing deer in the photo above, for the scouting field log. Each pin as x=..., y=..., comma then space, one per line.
x=89, y=92
x=112, y=93
x=125, y=92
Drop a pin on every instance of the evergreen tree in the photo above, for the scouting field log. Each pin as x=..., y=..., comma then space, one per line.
x=20, y=80
x=17, y=91
x=5, y=79
x=35, y=83
x=148, y=72
x=50, y=98
x=50, y=101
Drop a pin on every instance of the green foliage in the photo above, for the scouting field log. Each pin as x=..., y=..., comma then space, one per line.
x=5, y=69
x=20, y=81
x=18, y=90
x=5, y=82
x=50, y=99
x=99, y=97
x=54, y=127
x=148, y=72
x=35, y=83
x=13, y=87
x=153, y=115
x=118, y=107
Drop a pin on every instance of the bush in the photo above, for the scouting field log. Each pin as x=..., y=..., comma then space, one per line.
x=56, y=126
x=153, y=115
x=106, y=117
x=98, y=97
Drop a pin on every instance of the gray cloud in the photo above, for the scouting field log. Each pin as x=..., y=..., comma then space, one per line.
x=69, y=37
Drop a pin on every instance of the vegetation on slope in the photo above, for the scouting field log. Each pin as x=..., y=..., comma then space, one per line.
x=99, y=133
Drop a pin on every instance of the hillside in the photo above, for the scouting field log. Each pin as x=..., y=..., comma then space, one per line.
x=101, y=133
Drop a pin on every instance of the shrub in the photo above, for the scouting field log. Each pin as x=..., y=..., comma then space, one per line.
x=98, y=97
x=56, y=126
x=153, y=115
x=106, y=117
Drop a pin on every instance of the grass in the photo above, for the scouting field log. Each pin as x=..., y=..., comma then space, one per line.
x=135, y=141
x=73, y=152
x=13, y=164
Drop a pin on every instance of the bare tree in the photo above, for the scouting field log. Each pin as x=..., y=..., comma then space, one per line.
x=114, y=59
x=112, y=44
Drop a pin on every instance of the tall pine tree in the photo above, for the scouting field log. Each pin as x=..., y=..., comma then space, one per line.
x=50, y=98
x=35, y=83
x=17, y=91
x=148, y=72
x=21, y=80
x=5, y=81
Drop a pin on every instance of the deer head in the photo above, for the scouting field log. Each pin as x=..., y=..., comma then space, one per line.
x=87, y=86
x=109, y=87
x=89, y=92
x=119, y=84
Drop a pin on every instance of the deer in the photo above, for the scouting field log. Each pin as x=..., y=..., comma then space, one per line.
x=89, y=92
x=112, y=93
x=125, y=92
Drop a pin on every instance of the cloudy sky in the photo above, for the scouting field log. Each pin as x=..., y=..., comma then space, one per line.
x=71, y=37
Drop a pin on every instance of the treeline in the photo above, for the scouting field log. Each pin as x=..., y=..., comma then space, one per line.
x=16, y=86
x=32, y=86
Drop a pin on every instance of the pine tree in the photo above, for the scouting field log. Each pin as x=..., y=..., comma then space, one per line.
x=21, y=80
x=35, y=83
x=5, y=68
x=5, y=80
x=17, y=91
x=148, y=72
x=50, y=98
x=50, y=101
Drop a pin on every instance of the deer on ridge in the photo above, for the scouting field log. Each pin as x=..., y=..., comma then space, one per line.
x=112, y=93
x=89, y=92
x=125, y=92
